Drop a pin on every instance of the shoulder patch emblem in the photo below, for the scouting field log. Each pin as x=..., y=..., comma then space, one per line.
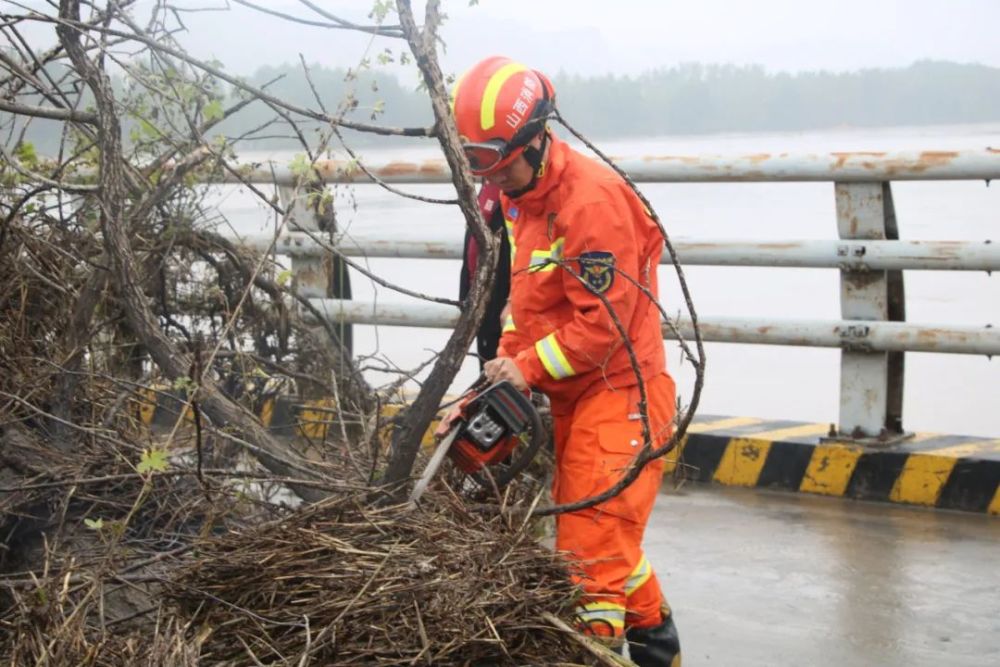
x=598, y=270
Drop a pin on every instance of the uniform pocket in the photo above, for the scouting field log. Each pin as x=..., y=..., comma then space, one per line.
x=603, y=443
x=619, y=444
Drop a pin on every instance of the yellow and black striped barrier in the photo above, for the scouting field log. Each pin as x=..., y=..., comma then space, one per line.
x=283, y=415
x=933, y=470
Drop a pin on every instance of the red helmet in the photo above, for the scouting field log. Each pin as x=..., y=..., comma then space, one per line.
x=499, y=105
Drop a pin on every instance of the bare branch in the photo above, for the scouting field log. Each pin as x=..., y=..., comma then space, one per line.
x=387, y=31
x=32, y=176
x=242, y=85
x=114, y=217
x=406, y=438
x=336, y=24
x=325, y=244
x=48, y=112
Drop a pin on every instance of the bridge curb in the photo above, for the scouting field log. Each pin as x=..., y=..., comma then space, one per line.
x=932, y=470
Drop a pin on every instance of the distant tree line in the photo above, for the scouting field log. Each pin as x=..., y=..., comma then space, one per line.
x=689, y=98
x=696, y=98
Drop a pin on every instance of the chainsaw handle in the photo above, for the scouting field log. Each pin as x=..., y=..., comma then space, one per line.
x=448, y=421
x=522, y=458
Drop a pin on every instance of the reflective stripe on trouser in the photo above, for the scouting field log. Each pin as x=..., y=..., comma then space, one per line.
x=606, y=619
x=594, y=447
x=640, y=575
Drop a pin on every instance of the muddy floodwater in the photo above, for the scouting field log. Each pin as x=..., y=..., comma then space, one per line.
x=946, y=393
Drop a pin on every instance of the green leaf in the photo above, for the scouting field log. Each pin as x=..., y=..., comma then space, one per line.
x=26, y=154
x=351, y=167
x=380, y=9
x=94, y=524
x=284, y=277
x=148, y=129
x=213, y=111
x=302, y=168
x=183, y=383
x=152, y=460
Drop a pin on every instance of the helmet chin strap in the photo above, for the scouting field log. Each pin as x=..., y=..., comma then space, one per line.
x=534, y=157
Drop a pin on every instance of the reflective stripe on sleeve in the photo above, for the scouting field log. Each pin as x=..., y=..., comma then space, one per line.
x=552, y=357
x=547, y=260
x=508, y=324
x=640, y=575
x=509, y=224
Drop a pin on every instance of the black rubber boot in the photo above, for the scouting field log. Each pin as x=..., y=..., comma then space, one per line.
x=657, y=646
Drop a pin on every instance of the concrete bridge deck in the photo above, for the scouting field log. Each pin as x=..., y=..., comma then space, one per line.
x=763, y=578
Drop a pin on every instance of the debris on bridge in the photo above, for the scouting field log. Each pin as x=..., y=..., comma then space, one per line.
x=168, y=571
x=122, y=544
x=347, y=584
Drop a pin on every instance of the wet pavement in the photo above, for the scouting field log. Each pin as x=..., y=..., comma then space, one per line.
x=770, y=578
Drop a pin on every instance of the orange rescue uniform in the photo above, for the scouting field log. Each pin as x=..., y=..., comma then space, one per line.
x=583, y=247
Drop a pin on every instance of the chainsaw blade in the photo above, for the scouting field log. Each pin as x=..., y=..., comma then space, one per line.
x=432, y=466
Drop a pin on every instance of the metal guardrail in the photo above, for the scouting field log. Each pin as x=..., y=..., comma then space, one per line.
x=873, y=334
x=852, y=255
x=854, y=167
x=860, y=335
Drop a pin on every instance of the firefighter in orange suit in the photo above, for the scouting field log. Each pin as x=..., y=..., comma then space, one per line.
x=581, y=244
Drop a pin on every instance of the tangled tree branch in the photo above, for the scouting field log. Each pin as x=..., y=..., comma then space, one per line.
x=407, y=436
x=115, y=220
x=239, y=84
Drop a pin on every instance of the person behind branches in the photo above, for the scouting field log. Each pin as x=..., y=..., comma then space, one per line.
x=488, y=335
x=584, y=256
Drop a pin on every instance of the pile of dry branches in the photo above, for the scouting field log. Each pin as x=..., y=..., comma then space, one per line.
x=342, y=583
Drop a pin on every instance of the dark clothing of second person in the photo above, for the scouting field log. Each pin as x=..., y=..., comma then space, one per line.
x=488, y=336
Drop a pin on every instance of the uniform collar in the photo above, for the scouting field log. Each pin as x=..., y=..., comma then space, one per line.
x=555, y=163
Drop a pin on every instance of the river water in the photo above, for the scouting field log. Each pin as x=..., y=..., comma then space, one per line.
x=947, y=393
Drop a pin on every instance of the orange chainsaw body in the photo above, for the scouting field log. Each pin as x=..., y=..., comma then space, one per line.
x=490, y=424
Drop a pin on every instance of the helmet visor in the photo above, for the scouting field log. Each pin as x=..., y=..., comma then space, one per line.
x=485, y=157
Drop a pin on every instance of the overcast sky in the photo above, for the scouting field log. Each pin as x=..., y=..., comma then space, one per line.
x=628, y=36
x=624, y=36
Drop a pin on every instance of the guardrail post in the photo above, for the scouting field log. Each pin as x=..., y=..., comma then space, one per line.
x=871, y=383
x=324, y=276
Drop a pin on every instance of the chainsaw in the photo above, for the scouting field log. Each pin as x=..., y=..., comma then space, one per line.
x=492, y=435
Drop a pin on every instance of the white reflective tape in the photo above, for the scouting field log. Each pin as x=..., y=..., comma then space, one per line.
x=552, y=357
x=640, y=575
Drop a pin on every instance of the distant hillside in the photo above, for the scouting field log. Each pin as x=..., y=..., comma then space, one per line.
x=695, y=98
x=686, y=99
